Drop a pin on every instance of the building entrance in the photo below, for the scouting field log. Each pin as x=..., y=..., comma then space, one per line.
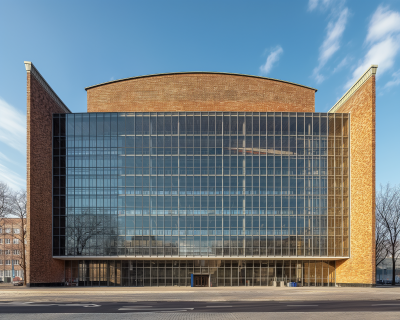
x=201, y=280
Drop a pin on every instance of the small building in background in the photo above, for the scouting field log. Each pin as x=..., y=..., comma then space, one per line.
x=10, y=249
x=384, y=271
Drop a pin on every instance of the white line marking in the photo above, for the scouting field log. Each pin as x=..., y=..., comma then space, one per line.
x=302, y=305
x=155, y=310
x=218, y=306
x=137, y=306
x=32, y=304
x=78, y=305
x=23, y=304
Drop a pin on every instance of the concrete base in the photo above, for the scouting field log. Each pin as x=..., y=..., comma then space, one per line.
x=53, y=284
x=364, y=285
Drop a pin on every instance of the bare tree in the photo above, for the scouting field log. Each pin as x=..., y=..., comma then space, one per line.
x=83, y=228
x=18, y=202
x=381, y=243
x=5, y=194
x=388, y=214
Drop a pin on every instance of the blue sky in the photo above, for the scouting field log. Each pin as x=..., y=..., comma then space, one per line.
x=324, y=44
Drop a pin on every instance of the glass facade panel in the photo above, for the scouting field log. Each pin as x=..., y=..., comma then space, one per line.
x=202, y=185
x=178, y=273
x=199, y=184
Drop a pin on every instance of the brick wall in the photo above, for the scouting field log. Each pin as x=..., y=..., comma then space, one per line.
x=41, y=104
x=200, y=92
x=360, y=268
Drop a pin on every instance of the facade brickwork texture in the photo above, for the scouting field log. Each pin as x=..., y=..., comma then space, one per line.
x=360, y=268
x=41, y=267
x=200, y=92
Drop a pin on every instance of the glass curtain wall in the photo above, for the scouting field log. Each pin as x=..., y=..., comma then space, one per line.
x=178, y=272
x=201, y=184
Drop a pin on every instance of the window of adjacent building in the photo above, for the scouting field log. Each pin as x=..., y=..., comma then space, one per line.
x=7, y=251
x=15, y=241
x=8, y=262
x=1, y=230
x=16, y=262
x=16, y=252
x=16, y=230
x=1, y=251
x=8, y=241
x=8, y=230
x=1, y=241
x=1, y=262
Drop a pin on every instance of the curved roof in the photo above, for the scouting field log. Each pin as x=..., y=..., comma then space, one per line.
x=197, y=72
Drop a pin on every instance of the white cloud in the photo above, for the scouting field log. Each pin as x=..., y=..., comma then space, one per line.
x=335, y=30
x=395, y=81
x=11, y=178
x=383, y=23
x=12, y=127
x=272, y=58
x=382, y=53
x=312, y=4
x=321, y=4
x=331, y=43
x=4, y=157
x=383, y=39
x=341, y=65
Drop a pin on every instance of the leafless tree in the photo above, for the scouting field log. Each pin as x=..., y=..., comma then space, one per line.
x=381, y=242
x=388, y=214
x=83, y=228
x=5, y=194
x=18, y=201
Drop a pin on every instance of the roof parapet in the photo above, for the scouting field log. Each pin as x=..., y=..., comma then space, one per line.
x=197, y=72
x=33, y=71
x=367, y=74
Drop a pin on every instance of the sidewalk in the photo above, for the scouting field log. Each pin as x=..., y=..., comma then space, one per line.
x=102, y=294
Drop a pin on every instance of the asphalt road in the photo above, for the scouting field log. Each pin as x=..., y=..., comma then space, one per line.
x=201, y=307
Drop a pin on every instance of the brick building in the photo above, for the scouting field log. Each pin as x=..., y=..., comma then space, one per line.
x=201, y=178
x=10, y=249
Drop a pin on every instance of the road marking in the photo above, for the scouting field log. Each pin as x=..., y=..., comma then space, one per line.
x=25, y=304
x=155, y=310
x=218, y=306
x=137, y=306
x=302, y=305
x=33, y=304
x=90, y=305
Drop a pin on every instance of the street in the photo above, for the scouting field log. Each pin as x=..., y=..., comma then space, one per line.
x=202, y=307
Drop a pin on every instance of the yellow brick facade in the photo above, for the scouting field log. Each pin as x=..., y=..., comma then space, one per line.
x=360, y=268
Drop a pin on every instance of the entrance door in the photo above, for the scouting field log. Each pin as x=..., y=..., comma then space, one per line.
x=200, y=280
